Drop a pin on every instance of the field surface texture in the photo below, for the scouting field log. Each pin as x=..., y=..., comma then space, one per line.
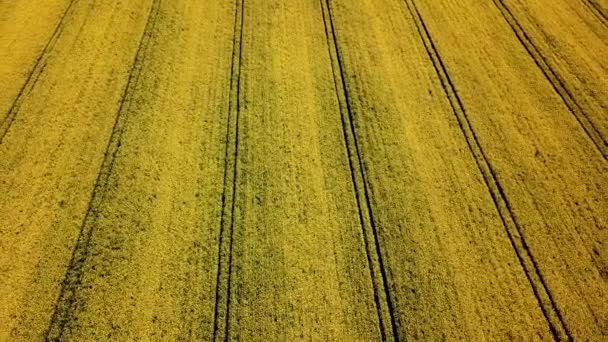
x=304, y=170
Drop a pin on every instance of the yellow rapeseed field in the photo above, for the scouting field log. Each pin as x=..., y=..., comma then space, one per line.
x=332, y=170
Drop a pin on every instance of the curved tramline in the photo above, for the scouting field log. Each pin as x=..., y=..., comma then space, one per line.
x=63, y=311
x=150, y=239
x=51, y=156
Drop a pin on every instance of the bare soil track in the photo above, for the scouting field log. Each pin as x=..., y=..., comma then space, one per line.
x=370, y=170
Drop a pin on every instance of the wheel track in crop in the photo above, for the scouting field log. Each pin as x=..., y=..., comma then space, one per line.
x=221, y=314
x=597, y=12
x=558, y=84
x=512, y=227
x=64, y=306
x=34, y=74
x=373, y=247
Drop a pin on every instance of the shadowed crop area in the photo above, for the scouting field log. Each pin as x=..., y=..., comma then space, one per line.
x=303, y=170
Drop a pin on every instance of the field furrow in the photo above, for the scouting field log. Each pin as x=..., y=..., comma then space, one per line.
x=29, y=32
x=150, y=238
x=556, y=34
x=376, y=264
x=552, y=175
x=519, y=244
x=299, y=266
x=600, y=7
x=450, y=262
x=52, y=153
x=226, y=227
